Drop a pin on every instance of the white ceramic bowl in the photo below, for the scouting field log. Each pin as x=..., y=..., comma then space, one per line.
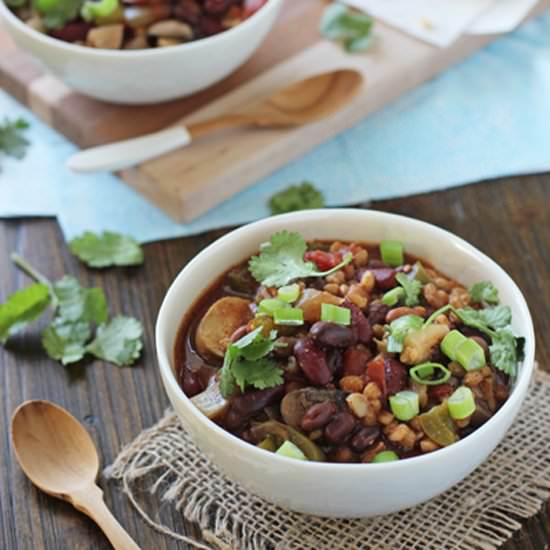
x=145, y=76
x=342, y=490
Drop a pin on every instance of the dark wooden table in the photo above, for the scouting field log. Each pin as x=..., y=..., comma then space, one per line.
x=508, y=219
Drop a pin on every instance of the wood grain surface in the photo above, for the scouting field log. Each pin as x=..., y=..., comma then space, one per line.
x=188, y=182
x=509, y=219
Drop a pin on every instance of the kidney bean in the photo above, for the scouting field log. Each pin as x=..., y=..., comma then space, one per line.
x=332, y=334
x=217, y=7
x=286, y=349
x=359, y=324
x=249, y=403
x=188, y=11
x=191, y=383
x=376, y=313
x=318, y=416
x=209, y=25
x=395, y=374
x=384, y=277
x=355, y=361
x=335, y=361
x=340, y=426
x=73, y=31
x=364, y=438
x=312, y=361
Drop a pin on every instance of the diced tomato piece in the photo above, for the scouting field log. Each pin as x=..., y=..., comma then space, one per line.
x=376, y=373
x=440, y=392
x=323, y=260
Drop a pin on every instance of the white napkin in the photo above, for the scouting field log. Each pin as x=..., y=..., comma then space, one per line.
x=439, y=22
x=502, y=16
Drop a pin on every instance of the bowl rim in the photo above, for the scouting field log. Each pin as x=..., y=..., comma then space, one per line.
x=129, y=54
x=165, y=357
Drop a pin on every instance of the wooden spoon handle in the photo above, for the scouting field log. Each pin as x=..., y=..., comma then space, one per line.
x=199, y=129
x=90, y=501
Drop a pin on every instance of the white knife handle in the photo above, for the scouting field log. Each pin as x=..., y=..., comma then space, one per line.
x=123, y=154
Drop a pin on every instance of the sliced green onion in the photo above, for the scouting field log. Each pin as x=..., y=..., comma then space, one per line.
x=422, y=374
x=385, y=456
x=462, y=403
x=93, y=9
x=450, y=343
x=290, y=450
x=420, y=273
x=289, y=316
x=407, y=322
x=392, y=253
x=289, y=293
x=335, y=314
x=470, y=355
x=393, y=296
x=271, y=305
x=405, y=405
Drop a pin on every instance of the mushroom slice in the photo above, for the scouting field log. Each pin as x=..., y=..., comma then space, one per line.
x=107, y=37
x=210, y=402
x=221, y=320
x=171, y=28
x=295, y=404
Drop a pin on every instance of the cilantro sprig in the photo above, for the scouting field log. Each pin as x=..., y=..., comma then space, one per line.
x=352, y=28
x=76, y=311
x=12, y=141
x=484, y=292
x=506, y=349
x=412, y=289
x=296, y=197
x=281, y=261
x=106, y=250
x=245, y=364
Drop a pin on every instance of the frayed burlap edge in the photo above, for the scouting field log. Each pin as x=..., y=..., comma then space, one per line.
x=481, y=512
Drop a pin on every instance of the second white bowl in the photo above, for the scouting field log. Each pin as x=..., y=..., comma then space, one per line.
x=145, y=76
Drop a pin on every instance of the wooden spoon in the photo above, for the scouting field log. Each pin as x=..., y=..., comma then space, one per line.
x=59, y=457
x=300, y=103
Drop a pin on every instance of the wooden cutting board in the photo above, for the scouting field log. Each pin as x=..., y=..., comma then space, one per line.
x=188, y=182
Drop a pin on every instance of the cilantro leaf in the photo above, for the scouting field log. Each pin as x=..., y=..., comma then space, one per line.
x=412, y=289
x=282, y=260
x=76, y=303
x=506, y=350
x=296, y=197
x=12, y=141
x=245, y=363
x=106, y=249
x=118, y=341
x=493, y=317
x=57, y=13
x=22, y=308
x=66, y=341
x=261, y=374
x=351, y=27
x=484, y=291
x=228, y=386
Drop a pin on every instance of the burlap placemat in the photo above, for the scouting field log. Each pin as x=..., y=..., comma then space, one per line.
x=481, y=512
